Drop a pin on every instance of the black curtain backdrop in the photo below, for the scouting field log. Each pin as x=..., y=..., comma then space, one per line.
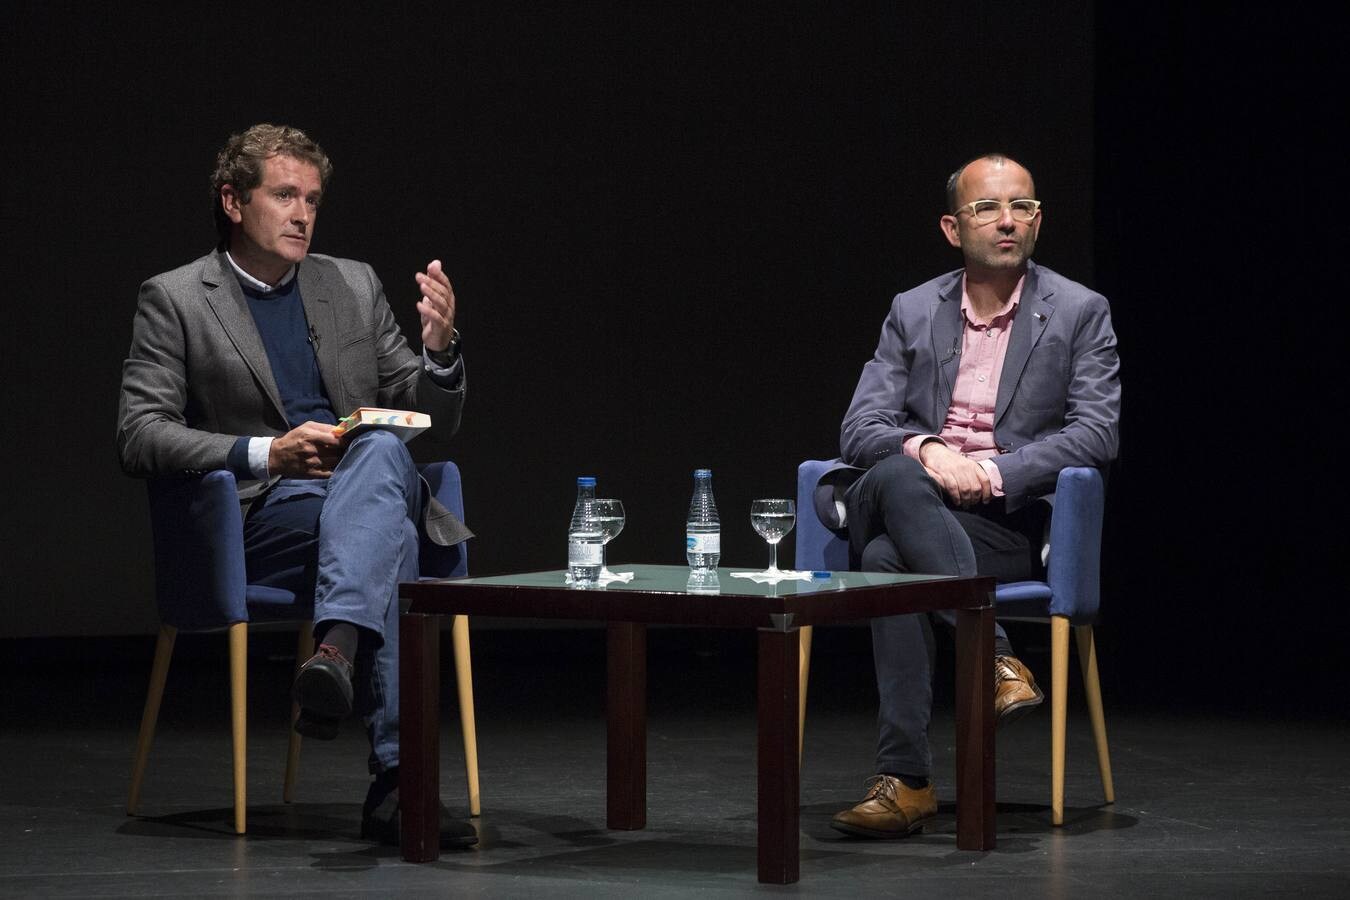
x=1216, y=161
x=674, y=232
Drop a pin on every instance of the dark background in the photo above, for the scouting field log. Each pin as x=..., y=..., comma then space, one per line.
x=674, y=233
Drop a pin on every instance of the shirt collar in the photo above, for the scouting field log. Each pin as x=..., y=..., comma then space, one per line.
x=263, y=287
x=1006, y=311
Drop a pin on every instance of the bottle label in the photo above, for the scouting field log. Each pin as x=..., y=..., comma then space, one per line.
x=704, y=543
x=583, y=554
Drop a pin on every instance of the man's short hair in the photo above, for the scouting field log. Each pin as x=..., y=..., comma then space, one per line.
x=956, y=176
x=240, y=164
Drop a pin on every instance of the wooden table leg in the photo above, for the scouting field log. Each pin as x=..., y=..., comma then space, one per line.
x=420, y=736
x=779, y=788
x=975, y=729
x=626, y=714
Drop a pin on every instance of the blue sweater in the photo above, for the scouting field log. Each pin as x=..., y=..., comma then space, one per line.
x=280, y=317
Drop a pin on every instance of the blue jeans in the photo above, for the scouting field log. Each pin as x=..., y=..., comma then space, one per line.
x=349, y=540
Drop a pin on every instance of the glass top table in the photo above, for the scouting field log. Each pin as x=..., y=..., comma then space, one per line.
x=781, y=613
x=681, y=580
x=670, y=595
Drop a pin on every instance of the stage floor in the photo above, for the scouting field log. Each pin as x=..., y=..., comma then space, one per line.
x=1210, y=802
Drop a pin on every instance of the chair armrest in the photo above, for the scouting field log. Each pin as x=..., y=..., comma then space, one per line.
x=198, y=535
x=1074, y=570
x=818, y=547
x=436, y=561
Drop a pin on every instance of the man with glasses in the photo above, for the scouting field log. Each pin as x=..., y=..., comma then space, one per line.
x=985, y=383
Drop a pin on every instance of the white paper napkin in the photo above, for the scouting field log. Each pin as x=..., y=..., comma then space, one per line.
x=609, y=578
x=770, y=578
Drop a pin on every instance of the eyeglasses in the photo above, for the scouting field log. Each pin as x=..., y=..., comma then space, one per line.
x=986, y=211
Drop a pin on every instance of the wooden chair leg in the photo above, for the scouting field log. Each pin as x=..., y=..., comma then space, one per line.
x=459, y=631
x=803, y=676
x=1059, y=708
x=239, y=718
x=159, y=673
x=304, y=649
x=1087, y=658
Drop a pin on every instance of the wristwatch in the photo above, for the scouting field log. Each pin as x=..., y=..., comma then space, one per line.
x=446, y=358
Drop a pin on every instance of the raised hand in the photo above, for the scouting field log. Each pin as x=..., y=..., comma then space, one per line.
x=436, y=308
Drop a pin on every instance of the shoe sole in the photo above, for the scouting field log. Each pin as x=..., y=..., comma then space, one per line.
x=1018, y=710
x=860, y=831
x=319, y=728
x=320, y=693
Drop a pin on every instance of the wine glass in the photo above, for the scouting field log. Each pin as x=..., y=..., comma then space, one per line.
x=773, y=519
x=609, y=516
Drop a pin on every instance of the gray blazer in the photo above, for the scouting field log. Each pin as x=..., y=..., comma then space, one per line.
x=1058, y=398
x=197, y=378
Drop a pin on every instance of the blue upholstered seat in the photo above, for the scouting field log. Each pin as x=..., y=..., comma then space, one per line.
x=1069, y=597
x=200, y=585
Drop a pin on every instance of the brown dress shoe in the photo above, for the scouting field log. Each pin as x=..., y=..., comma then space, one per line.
x=1015, y=691
x=323, y=686
x=890, y=810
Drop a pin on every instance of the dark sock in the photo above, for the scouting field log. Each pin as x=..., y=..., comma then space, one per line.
x=387, y=780
x=339, y=634
x=913, y=782
x=384, y=784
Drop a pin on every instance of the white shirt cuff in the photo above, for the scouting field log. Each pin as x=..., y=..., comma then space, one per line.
x=995, y=476
x=258, y=449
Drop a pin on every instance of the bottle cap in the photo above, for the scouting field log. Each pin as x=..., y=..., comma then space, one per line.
x=586, y=481
x=703, y=473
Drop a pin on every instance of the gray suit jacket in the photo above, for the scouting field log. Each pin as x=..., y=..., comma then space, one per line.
x=1058, y=398
x=197, y=377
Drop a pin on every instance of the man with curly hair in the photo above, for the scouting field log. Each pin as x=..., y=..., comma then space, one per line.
x=244, y=360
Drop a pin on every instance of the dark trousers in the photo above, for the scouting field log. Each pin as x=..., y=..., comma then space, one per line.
x=899, y=520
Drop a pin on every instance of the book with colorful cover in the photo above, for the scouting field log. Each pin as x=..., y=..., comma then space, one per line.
x=406, y=424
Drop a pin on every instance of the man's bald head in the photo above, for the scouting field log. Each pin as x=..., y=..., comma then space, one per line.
x=954, y=198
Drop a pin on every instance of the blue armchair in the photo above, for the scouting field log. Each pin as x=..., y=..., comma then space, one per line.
x=200, y=585
x=1069, y=596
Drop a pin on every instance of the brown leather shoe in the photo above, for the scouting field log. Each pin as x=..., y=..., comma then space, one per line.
x=323, y=686
x=890, y=810
x=1015, y=691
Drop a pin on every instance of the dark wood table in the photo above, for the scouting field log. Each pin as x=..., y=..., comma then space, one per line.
x=665, y=595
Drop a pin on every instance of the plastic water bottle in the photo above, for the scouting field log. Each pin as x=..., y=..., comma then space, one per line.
x=585, y=540
x=703, y=529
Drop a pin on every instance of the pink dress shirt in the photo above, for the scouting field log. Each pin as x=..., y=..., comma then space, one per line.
x=969, y=427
